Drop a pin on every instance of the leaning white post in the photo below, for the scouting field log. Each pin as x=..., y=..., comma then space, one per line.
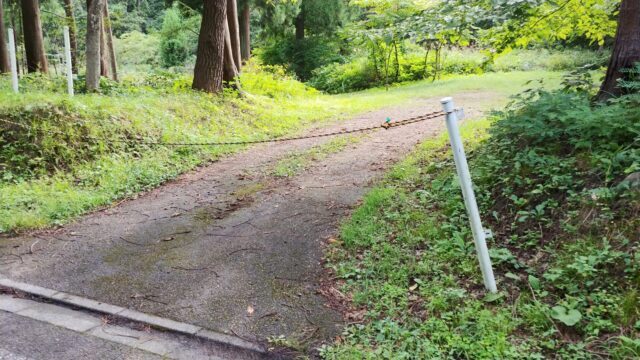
x=12, y=61
x=67, y=54
x=462, y=168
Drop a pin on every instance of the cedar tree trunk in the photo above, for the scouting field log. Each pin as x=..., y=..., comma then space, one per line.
x=33, y=42
x=230, y=72
x=626, y=49
x=5, y=67
x=234, y=31
x=105, y=66
x=71, y=23
x=300, y=26
x=245, y=32
x=207, y=74
x=94, y=29
x=110, y=51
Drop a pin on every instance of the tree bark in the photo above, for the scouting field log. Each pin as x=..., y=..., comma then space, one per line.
x=109, y=48
x=71, y=23
x=94, y=28
x=300, y=26
x=234, y=31
x=230, y=72
x=626, y=48
x=5, y=67
x=245, y=32
x=33, y=41
x=207, y=74
x=105, y=66
x=15, y=39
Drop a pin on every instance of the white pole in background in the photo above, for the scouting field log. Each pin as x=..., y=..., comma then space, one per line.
x=67, y=53
x=12, y=61
x=462, y=167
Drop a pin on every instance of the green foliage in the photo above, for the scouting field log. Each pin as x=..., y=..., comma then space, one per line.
x=553, y=60
x=340, y=78
x=359, y=73
x=521, y=23
x=390, y=32
x=565, y=251
x=123, y=21
x=138, y=52
x=49, y=184
x=323, y=16
x=300, y=57
x=178, y=37
x=630, y=82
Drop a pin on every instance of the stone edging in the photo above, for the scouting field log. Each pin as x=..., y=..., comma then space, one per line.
x=132, y=315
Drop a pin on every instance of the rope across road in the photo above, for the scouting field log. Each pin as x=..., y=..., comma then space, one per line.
x=386, y=126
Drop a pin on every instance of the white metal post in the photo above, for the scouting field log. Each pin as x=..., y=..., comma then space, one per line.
x=462, y=167
x=12, y=61
x=67, y=53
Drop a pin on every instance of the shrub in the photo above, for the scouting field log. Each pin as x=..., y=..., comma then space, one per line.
x=137, y=51
x=177, y=43
x=565, y=250
x=339, y=78
x=300, y=57
x=358, y=73
x=272, y=81
x=555, y=60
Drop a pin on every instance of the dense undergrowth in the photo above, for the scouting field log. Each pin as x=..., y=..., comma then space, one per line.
x=61, y=156
x=360, y=72
x=548, y=173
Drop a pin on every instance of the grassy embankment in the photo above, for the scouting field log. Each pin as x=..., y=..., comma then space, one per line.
x=54, y=173
x=547, y=172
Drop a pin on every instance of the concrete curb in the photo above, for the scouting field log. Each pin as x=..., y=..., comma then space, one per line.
x=132, y=315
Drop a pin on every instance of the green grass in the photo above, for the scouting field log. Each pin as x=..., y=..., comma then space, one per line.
x=566, y=252
x=48, y=179
x=297, y=162
x=358, y=73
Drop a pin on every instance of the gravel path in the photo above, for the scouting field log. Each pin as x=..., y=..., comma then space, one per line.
x=228, y=246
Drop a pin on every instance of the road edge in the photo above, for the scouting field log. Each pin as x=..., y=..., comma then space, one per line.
x=133, y=315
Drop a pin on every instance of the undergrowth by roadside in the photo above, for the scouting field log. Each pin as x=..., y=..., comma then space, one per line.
x=81, y=153
x=548, y=174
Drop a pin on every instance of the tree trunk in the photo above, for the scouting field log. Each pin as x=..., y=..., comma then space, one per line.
x=71, y=23
x=5, y=67
x=105, y=66
x=33, y=42
x=395, y=49
x=626, y=48
x=110, y=50
x=300, y=26
x=207, y=74
x=245, y=32
x=94, y=29
x=230, y=72
x=234, y=31
x=15, y=39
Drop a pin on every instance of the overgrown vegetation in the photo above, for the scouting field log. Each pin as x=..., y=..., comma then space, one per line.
x=83, y=152
x=548, y=173
x=358, y=73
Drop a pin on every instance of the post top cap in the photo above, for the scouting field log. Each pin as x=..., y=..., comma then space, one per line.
x=446, y=100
